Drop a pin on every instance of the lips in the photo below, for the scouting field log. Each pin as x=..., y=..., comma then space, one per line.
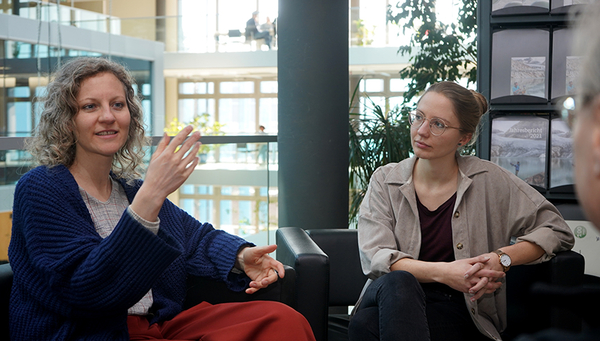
x=420, y=144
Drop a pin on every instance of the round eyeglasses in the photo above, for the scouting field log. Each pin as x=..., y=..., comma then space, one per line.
x=436, y=125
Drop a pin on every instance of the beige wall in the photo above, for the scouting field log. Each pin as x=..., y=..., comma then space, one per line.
x=145, y=27
x=5, y=229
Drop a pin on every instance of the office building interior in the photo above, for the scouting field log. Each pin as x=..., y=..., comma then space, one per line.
x=274, y=118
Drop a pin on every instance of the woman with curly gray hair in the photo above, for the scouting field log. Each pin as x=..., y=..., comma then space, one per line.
x=54, y=140
x=99, y=255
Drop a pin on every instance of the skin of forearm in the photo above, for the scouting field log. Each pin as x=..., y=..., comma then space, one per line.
x=523, y=252
x=424, y=272
x=427, y=272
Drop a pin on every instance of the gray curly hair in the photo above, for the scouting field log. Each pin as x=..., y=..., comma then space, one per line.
x=53, y=142
x=587, y=45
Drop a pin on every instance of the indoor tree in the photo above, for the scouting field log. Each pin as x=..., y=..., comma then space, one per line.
x=439, y=51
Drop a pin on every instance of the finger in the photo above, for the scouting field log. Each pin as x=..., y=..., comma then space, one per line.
x=162, y=144
x=179, y=138
x=280, y=270
x=482, y=258
x=477, y=295
x=492, y=273
x=474, y=269
x=480, y=285
x=190, y=143
x=266, y=249
x=191, y=156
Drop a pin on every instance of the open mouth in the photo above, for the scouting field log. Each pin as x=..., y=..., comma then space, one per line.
x=103, y=133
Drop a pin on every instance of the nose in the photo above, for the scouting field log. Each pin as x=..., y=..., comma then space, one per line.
x=107, y=115
x=423, y=129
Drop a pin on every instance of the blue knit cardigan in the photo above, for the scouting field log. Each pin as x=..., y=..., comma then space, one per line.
x=69, y=283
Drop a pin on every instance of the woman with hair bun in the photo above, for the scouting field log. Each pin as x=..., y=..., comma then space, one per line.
x=435, y=231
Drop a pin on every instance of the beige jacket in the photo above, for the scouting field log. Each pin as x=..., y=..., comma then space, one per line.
x=492, y=206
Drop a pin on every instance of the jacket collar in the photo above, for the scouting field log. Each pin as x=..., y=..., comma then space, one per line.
x=401, y=173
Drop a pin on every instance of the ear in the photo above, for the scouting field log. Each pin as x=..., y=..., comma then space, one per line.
x=465, y=139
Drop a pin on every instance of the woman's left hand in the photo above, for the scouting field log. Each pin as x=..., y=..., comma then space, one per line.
x=262, y=269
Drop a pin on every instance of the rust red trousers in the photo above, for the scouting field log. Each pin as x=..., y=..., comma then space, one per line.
x=257, y=320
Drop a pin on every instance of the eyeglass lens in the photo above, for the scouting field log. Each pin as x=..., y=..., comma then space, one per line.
x=436, y=126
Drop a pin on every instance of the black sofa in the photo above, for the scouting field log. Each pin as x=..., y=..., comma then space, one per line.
x=198, y=290
x=329, y=278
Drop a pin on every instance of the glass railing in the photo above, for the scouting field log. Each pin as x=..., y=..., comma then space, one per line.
x=205, y=32
x=234, y=187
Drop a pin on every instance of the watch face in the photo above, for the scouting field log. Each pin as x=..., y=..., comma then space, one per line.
x=505, y=260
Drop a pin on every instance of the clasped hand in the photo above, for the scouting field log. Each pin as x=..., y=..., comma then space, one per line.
x=262, y=269
x=476, y=276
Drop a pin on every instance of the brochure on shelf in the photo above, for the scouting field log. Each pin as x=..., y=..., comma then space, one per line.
x=509, y=7
x=565, y=66
x=520, y=73
x=561, y=154
x=566, y=6
x=519, y=144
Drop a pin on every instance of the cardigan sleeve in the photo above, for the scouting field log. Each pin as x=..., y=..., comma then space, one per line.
x=208, y=252
x=60, y=259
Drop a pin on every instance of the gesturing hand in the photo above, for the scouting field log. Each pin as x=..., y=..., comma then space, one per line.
x=260, y=267
x=169, y=167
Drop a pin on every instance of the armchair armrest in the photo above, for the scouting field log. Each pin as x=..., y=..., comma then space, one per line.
x=295, y=248
x=6, y=279
x=200, y=289
x=530, y=308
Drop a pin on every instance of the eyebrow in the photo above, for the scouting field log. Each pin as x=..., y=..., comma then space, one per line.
x=436, y=117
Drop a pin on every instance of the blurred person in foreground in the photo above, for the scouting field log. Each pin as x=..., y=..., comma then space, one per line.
x=98, y=254
x=585, y=124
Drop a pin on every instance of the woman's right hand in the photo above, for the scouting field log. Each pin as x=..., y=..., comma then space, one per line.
x=475, y=276
x=169, y=167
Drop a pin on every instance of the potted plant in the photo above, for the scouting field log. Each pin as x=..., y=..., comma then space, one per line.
x=375, y=140
x=201, y=123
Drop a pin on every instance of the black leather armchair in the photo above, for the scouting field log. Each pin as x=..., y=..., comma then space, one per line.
x=198, y=290
x=329, y=274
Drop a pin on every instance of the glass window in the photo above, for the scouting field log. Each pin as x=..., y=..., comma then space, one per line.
x=268, y=87
x=237, y=87
x=372, y=85
x=193, y=88
x=186, y=189
x=399, y=84
x=205, y=190
x=396, y=101
x=246, y=190
x=190, y=107
x=367, y=105
x=205, y=209
x=237, y=115
x=19, y=92
x=268, y=114
x=226, y=215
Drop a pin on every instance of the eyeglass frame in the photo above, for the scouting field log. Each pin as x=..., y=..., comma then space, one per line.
x=412, y=122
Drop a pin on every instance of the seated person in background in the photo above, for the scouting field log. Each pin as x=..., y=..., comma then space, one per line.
x=253, y=32
x=435, y=231
x=98, y=254
x=585, y=122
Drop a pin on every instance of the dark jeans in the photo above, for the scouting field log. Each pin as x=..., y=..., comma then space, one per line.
x=264, y=35
x=397, y=307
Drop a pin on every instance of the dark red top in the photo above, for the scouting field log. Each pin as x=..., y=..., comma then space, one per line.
x=436, y=232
